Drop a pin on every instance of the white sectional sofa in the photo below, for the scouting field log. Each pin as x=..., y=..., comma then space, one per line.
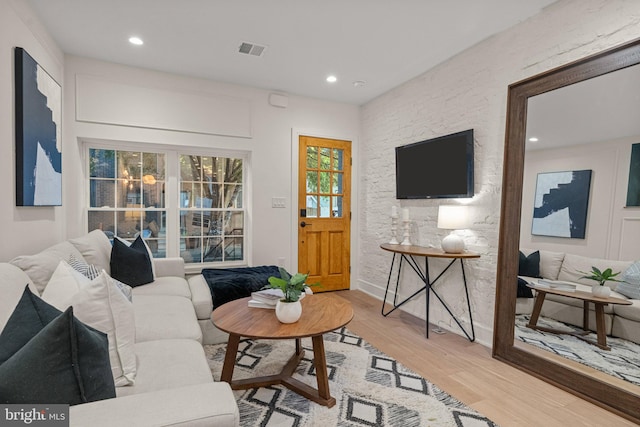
x=621, y=321
x=173, y=383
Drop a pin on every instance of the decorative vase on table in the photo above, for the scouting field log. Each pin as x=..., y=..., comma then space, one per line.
x=600, y=291
x=289, y=309
x=288, y=312
x=602, y=277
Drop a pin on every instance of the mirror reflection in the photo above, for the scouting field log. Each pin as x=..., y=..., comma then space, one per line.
x=579, y=211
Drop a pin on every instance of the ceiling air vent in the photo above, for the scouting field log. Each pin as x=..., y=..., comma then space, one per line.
x=251, y=49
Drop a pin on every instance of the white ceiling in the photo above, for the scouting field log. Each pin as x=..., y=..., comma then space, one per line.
x=381, y=42
x=596, y=110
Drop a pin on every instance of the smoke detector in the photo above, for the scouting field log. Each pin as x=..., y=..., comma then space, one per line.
x=251, y=49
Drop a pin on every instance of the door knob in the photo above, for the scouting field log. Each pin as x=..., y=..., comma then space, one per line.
x=303, y=224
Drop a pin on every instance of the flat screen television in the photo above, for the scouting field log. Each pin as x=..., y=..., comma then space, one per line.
x=438, y=168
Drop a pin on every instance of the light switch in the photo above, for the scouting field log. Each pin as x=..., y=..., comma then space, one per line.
x=278, y=202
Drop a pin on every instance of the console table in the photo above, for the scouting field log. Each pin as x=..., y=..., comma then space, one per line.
x=408, y=254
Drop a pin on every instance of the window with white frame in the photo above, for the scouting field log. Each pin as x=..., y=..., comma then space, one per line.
x=183, y=204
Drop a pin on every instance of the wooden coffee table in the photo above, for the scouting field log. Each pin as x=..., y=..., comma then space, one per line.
x=587, y=297
x=321, y=313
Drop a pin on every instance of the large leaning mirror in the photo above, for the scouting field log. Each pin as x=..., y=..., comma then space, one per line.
x=560, y=107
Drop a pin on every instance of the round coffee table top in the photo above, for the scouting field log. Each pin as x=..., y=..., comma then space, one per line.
x=321, y=313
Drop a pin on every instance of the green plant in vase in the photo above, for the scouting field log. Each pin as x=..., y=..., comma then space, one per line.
x=601, y=276
x=291, y=286
x=289, y=309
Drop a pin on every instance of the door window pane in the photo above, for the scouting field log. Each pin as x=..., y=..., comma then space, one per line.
x=312, y=206
x=325, y=158
x=312, y=157
x=338, y=155
x=336, y=206
x=336, y=187
x=325, y=207
x=312, y=182
x=325, y=182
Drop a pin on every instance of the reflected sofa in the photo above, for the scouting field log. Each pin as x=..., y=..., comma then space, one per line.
x=621, y=321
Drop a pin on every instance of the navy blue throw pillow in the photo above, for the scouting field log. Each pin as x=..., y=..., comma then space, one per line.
x=65, y=362
x=131, y=264
x=529, y=265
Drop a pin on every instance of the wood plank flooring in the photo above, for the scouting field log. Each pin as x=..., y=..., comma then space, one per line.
x=467, y=371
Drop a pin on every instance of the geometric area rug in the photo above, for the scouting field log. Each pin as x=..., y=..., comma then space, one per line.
x=370, y=388
x=622, y=361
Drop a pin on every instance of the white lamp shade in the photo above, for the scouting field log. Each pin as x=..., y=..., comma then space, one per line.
x=453, y=217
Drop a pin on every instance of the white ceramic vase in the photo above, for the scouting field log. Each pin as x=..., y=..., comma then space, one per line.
x=600, y=291
x=288, y=312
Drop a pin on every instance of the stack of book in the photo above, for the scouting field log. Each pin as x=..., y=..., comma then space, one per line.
x=268, y=298
x=557, y=284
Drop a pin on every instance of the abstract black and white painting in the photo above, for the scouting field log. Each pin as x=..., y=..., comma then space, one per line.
x=633, y=189
x=38, y=134
x=561, y=204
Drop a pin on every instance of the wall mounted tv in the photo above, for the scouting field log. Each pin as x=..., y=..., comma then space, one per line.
x=438, y=168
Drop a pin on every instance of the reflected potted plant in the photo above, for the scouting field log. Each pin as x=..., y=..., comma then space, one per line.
x=288, y=308
x=601, y=290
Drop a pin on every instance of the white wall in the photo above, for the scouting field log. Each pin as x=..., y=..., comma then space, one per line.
x=273, y=152
x=273, y=155
x=607, y=216
x=469, y=91
x=22, y=227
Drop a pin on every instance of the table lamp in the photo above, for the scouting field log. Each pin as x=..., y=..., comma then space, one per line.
x=453, y=217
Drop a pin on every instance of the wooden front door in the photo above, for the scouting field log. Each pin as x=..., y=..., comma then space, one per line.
x=324, y=212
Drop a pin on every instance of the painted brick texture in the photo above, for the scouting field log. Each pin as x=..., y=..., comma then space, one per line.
x=468, y=91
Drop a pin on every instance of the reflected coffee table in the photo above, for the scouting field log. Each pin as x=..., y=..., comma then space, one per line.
x=321, y=313
x=587, y=297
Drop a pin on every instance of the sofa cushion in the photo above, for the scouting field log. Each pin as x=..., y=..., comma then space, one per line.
x=630, y=285
x=100, y=304
x=64, y=362
x=160, y=317
x=95, y=247
x=166, y=364
x=550, y=262
x=574, y=268
x=40, y=267
x=529, y=265
x=630, y=312
x=131, y=264
x=174, y=286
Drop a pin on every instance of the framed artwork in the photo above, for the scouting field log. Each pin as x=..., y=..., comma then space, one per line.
x=38, y=134
x=561, y=204
x=633, y=189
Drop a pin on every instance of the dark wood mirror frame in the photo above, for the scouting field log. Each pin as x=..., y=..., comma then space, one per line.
x=609, y=396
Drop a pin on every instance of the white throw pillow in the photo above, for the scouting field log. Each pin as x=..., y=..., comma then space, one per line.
x=630, y=287
x=101, y=305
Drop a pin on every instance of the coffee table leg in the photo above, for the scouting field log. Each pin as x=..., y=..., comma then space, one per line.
x=537, y=308
x=602, y=336
x=230, y=358
x=320, y=364
x=585, y=315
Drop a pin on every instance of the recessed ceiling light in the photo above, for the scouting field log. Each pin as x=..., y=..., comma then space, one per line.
x=136, y=41
x=332, y=79
x=533, y=139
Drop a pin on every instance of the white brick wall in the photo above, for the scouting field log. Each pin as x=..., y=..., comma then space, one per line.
x=469, y=91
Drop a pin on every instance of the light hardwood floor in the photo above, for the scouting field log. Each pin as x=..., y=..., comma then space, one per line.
x=467, y=371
